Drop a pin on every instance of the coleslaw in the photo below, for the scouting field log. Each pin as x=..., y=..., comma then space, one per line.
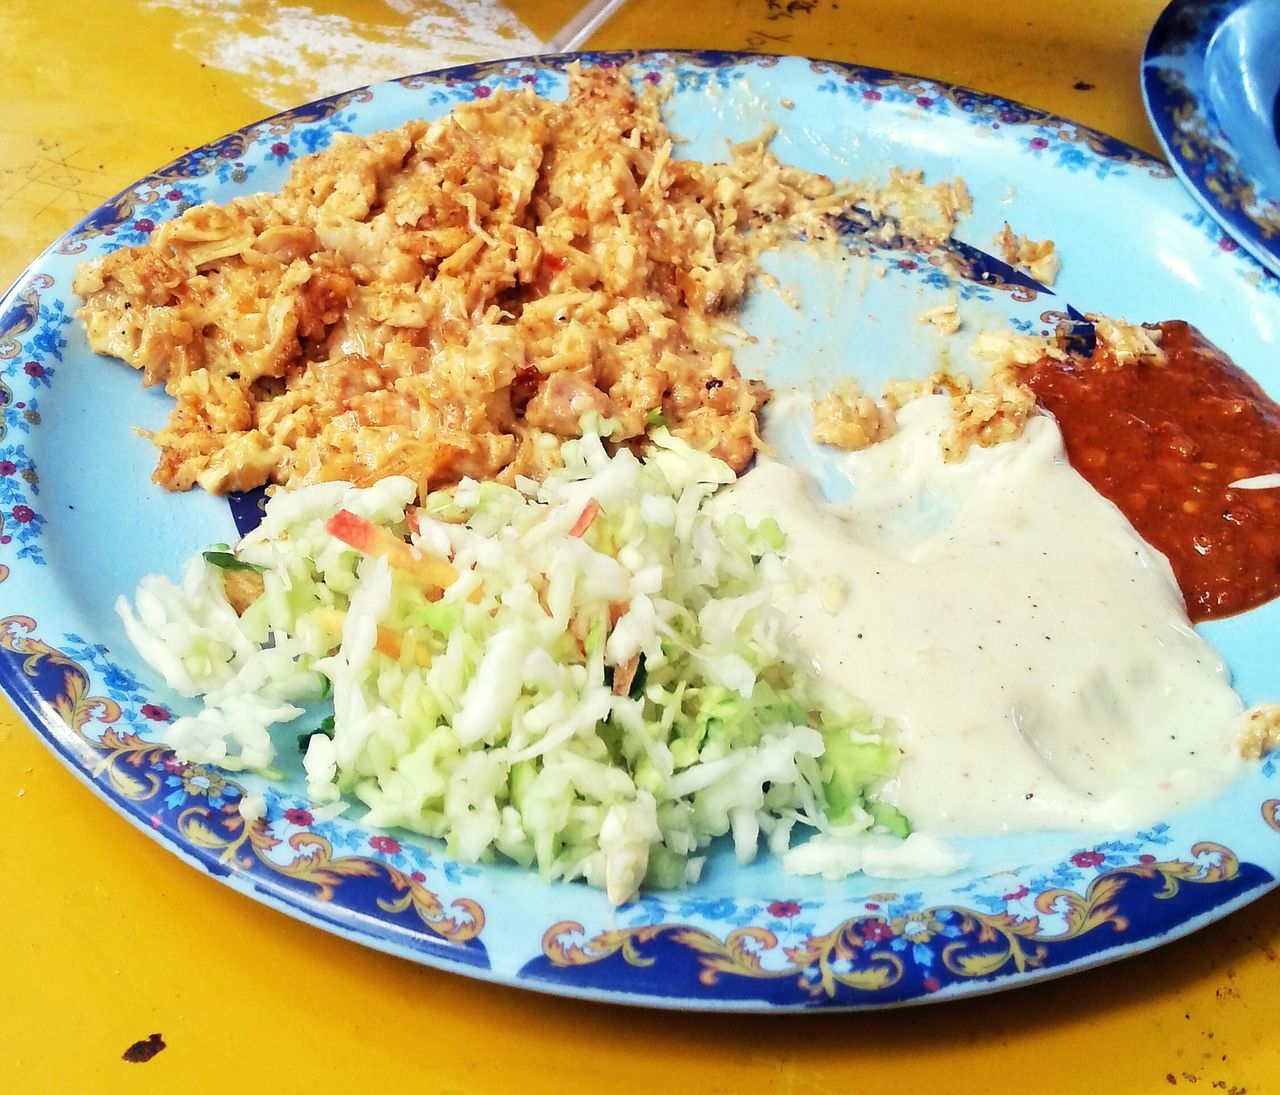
x=592, y=675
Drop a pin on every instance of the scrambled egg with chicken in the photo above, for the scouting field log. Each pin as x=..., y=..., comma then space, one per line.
x=450, y=298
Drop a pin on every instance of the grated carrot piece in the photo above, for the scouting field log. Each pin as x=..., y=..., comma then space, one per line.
x=370, y=539
x=625, y=674
x=389, y=641
x=585, y=518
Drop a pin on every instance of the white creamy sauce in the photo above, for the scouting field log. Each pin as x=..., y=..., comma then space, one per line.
x=837, y=855
x=1032, y=651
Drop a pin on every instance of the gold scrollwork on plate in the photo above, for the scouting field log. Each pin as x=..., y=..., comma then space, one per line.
x=124, y=759
x=241, y=845
x=1221, y=174
x=1271, y=813
x=978, y=945
x=21, y=315
x=1022, y=943
x=833, y=956
x=467, y=924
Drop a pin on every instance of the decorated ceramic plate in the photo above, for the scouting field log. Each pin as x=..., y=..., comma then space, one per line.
x=82, y=523
x=1211, y=80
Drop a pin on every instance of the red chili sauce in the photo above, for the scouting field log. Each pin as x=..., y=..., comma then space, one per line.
x=1164, y=442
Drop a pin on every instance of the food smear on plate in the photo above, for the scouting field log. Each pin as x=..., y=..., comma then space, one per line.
x=447, y=299
x=1184, y=442
x=1031, y=651
x=591, y=676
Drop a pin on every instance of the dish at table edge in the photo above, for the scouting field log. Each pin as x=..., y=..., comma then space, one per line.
x=1211, y=87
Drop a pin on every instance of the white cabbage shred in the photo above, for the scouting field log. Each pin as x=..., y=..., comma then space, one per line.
x=605, y=688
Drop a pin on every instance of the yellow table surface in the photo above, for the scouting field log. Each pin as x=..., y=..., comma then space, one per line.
x=107, y=938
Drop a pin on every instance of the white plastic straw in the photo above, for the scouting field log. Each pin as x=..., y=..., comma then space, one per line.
x=582, y=26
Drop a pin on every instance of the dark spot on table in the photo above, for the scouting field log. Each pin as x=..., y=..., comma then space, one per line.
x=143, y=1050
x=1082, y=85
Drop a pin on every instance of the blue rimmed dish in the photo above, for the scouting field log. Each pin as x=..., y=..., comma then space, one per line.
x=82, y=523
x=1211, y=84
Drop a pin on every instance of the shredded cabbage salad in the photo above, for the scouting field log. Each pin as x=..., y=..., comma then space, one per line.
x=591, y=675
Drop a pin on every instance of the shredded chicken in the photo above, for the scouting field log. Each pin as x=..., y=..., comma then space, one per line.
x=1039, y=258
x=898, y=393
x=944, y=318
x=927, y=214
x=1261, y=731
x=1127, y=343
x=849, y=420
x=987, y=415
x=1007, y=349
x=447, y=298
